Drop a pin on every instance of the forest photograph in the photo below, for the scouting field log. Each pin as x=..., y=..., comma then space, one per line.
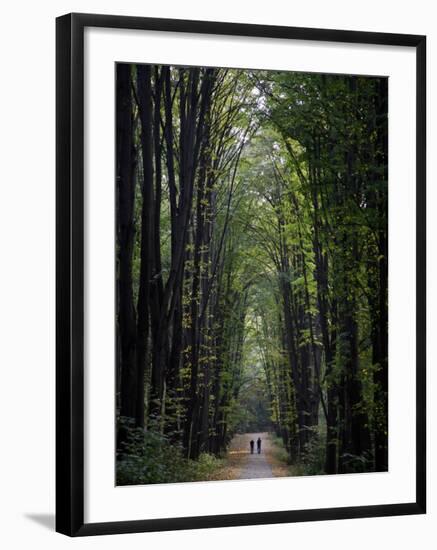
x=251, y=274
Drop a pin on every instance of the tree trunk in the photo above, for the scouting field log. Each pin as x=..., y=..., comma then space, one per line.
x=126, y=231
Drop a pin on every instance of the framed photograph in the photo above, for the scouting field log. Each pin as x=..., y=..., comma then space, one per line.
x=240, y=274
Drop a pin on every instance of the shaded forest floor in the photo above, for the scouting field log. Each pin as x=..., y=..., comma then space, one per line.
x=239, y=463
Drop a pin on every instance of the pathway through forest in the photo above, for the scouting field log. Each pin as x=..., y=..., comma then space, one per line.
x=256, y=464
x=249, y=466
x=236, y=308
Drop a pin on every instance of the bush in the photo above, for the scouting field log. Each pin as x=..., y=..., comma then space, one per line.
x=357, y=464
x=313, y=457
x=279, y=450
x=149, y=457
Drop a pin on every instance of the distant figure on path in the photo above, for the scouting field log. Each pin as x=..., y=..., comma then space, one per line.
x=252, y=444
x=258, y=445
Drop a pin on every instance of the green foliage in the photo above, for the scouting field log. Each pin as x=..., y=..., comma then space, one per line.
x=357, y=464
x=149, y=457
x=313, y=456
x=274, y=308
x=279, y=451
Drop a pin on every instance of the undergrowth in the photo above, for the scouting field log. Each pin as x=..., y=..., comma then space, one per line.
x=149, y=457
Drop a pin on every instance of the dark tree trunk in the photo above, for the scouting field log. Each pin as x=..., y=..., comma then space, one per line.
x=144, y=86
x=380, y=288
x=328, y=339
x=126, y=231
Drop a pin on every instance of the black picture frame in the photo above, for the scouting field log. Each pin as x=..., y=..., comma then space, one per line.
x=70, y=273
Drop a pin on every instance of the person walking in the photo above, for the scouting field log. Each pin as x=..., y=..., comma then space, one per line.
x=252, y=445
x=258, y=445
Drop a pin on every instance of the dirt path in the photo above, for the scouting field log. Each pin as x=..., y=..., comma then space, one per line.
x=250, y=466
x=241, y=464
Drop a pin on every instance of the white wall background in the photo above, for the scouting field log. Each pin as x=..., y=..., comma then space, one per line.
x=27, y=323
